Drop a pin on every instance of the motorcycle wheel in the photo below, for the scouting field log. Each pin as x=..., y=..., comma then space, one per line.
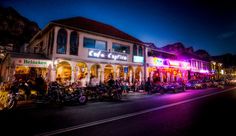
x=83, y=99
x=11, y=104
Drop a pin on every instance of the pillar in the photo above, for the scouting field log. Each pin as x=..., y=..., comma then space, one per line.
x=114, y=72
x=161, y=77
x=72, y=74
x=53, y=74
x=102, y=73
x=168, y=77
x=130, y=76
x=151, y=76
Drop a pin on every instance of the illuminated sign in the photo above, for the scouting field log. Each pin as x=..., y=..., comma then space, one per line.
x=126, y=69
x=179, y=64
x=174, y=63
x=107, y=55
x=32, y=62
x=200, y=71
x=203, y=71
x=158, y=61
x=138, y=59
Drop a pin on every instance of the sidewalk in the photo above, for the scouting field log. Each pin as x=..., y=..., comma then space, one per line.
x=132, y=93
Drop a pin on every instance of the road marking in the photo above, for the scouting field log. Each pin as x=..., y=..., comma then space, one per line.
x=63, y=130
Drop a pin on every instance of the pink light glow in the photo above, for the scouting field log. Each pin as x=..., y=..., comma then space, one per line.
x=180, y=64
x=204, y=71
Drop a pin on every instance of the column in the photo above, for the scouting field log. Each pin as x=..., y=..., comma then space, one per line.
x=118, y=73
x=168, y=77
x=99, y=75
x=135, y=69
x=114, y=72
x=72, y=74
x=140, y=76
x=53, y=71
x=161, y=77
x=53, y=74
x=151, y=76
x=130, y=76
x=102, y=73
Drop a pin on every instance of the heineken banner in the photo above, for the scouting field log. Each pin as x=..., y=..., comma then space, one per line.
x=32, y=62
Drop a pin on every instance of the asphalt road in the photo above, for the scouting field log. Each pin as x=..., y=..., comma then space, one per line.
x=194, y=112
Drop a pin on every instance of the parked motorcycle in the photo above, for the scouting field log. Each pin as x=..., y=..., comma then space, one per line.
x=54, y=95
x=74, y=95
x=110, y=93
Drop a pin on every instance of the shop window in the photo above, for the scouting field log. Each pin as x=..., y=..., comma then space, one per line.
x=63, y=72
x=135, y=50
x=140, y=51
x=61, y=41
x=96, y=44
x=74, y=42
x=120, y=48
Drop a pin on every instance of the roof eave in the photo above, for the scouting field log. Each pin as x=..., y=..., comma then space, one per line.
x=113, y=37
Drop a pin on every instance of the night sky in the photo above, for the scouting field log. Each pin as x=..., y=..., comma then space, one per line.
x=202, y=24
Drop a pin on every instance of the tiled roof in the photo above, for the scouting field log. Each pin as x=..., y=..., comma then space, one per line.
x=97, y=27
x=27, y=55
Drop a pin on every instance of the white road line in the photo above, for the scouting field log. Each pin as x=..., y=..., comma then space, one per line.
x=63, y=130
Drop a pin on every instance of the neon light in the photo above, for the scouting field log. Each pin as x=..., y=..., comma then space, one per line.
x=203, y=71
x=174, y=63
x=158, y=61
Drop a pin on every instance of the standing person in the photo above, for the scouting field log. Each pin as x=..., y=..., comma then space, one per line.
x=148, y=86
x=111, y=82
x=83, y=82
x=40, y=83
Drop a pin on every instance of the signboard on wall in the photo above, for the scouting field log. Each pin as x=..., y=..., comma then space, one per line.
x=138, y=59
x=126, y=69
x=100, y=54
x=31, y=62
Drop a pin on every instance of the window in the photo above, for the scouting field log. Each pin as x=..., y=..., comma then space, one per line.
x=120, y=48
x=74, y=42
x=61, y=41
x=135, y=50
x=101, y=45
x=140, y=51
x=91, y=43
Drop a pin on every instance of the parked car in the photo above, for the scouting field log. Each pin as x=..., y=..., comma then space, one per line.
x=208, y=83
x=194, y=84
x=174, y=87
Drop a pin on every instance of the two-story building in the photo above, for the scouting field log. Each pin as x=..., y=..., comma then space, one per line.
x=164, y=66
x=76, y=48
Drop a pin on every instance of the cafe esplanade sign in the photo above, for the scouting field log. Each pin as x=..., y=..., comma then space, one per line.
x=100, y=54
x=32, y=62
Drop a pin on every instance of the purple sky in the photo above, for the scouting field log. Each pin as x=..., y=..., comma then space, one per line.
x=202, y=24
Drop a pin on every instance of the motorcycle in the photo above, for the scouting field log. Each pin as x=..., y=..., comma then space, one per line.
x=74, y=95
x=110, y=93
x=53, y=96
